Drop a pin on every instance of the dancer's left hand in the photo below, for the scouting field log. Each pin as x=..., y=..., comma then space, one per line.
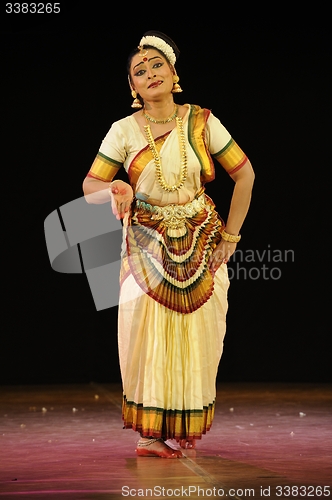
x=221, y=254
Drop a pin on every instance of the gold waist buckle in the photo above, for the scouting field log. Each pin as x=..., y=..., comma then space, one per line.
x=174, y=216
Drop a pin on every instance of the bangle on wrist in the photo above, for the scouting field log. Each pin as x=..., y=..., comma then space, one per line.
x=231, y=238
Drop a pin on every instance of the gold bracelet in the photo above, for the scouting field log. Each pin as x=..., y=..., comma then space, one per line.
x=231, y=238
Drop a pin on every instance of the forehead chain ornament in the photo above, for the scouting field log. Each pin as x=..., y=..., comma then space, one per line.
x=143, y=53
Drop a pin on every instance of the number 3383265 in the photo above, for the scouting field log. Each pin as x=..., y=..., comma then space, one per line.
x=32, y=8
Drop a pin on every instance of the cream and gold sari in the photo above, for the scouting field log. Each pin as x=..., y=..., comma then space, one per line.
x=172, y=309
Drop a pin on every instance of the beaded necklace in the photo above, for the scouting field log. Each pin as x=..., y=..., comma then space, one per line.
x=167, y=120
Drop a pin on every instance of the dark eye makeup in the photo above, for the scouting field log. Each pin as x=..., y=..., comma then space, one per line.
x=142, y=71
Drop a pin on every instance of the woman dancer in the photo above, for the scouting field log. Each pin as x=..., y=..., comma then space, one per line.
x=174, y=282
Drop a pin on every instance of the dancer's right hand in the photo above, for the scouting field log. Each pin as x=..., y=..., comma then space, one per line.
x=121, y=198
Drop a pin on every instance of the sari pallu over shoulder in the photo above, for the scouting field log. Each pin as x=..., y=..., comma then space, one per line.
x=196, y=137
x=171, y=265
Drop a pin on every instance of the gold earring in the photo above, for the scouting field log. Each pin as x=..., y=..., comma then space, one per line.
x=176, y=87
x=136, y=103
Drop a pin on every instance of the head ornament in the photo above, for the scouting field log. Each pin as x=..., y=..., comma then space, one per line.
x=161, y=42
x=158, y=43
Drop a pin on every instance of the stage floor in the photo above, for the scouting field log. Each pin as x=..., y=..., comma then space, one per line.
x=67, y=442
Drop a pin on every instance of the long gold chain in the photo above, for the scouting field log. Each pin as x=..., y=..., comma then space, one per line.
x=157, y=160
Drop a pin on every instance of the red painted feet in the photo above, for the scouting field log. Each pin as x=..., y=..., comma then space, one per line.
x=156, y=448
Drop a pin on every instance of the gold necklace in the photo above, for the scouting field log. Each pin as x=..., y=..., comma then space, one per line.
x=157, y=160
x=167, y=120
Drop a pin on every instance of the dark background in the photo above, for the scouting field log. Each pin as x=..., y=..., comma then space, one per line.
x=267, y=78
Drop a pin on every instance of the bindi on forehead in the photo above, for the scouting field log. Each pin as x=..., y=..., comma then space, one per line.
x=146, y=59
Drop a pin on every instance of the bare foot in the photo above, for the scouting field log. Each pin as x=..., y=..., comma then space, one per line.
x=156, y=448
x=187, y=444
